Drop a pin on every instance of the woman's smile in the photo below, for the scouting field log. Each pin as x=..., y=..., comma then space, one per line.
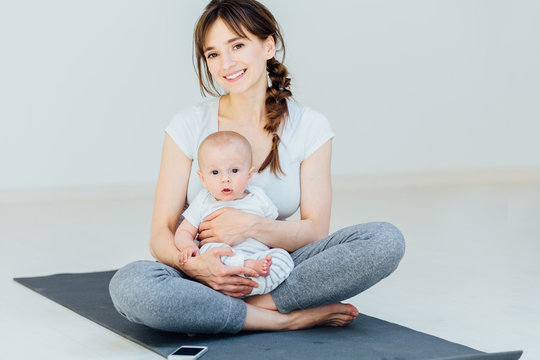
x=235, y=75
x=229, y=55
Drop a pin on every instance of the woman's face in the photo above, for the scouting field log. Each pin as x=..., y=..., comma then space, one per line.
x=237, y=64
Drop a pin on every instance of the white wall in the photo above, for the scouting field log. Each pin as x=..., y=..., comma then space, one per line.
x=87, y=87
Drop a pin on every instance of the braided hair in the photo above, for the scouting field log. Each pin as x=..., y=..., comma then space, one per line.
x=251, y=16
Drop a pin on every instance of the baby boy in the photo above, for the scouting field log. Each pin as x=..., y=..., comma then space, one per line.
x=225, y=172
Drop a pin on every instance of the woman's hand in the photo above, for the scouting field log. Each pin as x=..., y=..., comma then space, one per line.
x=208, y=269
x=226, y=225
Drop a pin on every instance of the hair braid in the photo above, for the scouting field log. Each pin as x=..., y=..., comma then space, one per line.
x=251, y=16
x=276, y=110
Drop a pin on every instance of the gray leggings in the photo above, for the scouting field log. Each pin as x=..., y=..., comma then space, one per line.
x=333, y=269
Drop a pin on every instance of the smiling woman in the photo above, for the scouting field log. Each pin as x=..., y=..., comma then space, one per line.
x=227, y=44
x=229, y=57
x=235, y=46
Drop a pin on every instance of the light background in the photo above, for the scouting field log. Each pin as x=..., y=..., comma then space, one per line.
x=87, y=87
x=435, y=105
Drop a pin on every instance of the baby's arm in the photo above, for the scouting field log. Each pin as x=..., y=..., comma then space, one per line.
x=184, y=241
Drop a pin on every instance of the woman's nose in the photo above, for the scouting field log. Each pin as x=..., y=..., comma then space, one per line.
x=227, y=61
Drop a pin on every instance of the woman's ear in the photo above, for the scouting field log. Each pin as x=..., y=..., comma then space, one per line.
x=270, y=47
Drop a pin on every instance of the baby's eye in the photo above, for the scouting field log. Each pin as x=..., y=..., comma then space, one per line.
x=234, y=171
x=215, y=172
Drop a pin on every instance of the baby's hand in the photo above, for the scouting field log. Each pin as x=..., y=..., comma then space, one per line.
x=187, y=252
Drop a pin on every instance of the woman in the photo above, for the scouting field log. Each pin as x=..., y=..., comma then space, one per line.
x=236, y=42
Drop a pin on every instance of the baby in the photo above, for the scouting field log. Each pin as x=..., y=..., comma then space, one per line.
x=225, y=172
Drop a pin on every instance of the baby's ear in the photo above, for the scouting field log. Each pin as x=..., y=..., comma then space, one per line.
x=201, y=177
x=251, y=172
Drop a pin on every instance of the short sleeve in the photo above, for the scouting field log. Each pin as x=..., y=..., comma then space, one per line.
x=316, y=131
x=267, y=207
x=305, y=131
x=184, y=129
x=271, y=211
x=189, y=127
x=194, y=212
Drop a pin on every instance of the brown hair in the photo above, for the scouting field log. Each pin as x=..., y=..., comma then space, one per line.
x=250, y=15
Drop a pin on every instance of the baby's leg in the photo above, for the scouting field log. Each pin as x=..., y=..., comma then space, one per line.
x=237, y=259
x=281, y=266
x=250, y=248
x=261, y=266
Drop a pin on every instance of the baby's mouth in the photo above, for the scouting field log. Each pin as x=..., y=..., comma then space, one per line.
x=226, y=191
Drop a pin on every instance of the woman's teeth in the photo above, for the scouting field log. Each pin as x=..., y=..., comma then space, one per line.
x=234, y=76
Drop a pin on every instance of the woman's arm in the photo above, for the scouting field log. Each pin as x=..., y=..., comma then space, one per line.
x=232, y=226
x=171, y=191
x=169, y=202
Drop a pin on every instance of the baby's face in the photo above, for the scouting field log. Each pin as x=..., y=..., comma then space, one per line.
x=225, y=172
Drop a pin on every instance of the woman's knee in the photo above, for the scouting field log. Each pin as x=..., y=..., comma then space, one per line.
x=385, y=239
x=131, y=277
x=130, y=284
x=392, y=241
x=160, y=297
x=395, y=238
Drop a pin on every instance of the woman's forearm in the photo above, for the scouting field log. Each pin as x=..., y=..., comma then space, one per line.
x=163, y=248
x=288, y=234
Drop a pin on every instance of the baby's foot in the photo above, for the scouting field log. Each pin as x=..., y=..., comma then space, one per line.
x=261, y=266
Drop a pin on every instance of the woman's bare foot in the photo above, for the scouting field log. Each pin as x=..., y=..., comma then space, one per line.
x=337, y=314
x=261, y=266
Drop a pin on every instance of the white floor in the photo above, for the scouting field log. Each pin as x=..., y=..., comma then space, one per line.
x=470, y=275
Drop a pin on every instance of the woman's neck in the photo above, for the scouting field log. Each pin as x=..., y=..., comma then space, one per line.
x=248, y=107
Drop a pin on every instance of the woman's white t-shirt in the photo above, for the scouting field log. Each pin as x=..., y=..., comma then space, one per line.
x=304, y=131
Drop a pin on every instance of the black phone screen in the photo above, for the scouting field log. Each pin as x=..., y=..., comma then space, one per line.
x=186, y=350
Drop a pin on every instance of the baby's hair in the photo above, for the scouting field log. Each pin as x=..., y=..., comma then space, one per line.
x=226, y=138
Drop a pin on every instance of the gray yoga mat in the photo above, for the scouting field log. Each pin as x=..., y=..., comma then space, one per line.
x=368, y=338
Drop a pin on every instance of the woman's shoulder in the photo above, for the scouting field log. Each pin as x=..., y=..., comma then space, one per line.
x=189, y=126
x=199, y=114
x=304, y=119
x=305, y=130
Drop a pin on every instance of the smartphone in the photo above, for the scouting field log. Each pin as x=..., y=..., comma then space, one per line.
x=188, y=352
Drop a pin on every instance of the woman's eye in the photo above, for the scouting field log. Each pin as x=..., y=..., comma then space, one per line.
x=215, y=172
x=237, y=46
x=234, y=171
x=210, y=56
